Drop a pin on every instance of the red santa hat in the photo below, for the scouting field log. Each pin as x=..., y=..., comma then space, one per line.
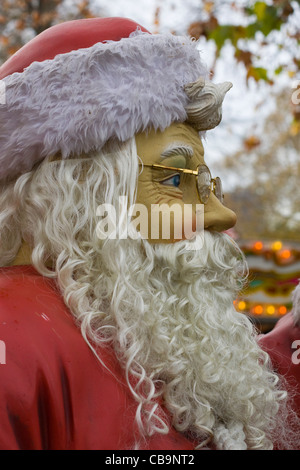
x=81, y=83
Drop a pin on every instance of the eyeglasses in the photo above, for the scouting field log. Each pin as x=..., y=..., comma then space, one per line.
x=204, y=182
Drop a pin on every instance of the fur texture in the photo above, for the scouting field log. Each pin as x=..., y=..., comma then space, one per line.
x=76, y=102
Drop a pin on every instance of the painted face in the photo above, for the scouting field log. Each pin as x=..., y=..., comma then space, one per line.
x=159, y=189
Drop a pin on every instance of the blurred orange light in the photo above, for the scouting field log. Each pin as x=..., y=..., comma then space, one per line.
x=270, y=309
x=258, y=245
x=241, y=305
x=282, y=310
x=285, y=254
x=258, y=310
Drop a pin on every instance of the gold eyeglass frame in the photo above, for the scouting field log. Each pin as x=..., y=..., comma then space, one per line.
x=213, y=181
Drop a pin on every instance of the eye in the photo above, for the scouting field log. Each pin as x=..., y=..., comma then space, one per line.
x=173, y=180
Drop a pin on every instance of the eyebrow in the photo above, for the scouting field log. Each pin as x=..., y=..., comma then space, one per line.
x=175, y=149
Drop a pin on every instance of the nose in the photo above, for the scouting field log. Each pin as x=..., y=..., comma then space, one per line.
x=218, y=217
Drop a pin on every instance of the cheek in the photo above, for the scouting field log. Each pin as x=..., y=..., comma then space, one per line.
x=191, y=221
x=193, y=209
x=169, y=218
x=150, y=192
x=189, y=189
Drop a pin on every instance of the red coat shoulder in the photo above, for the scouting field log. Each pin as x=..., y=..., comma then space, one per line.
x=54, y=393
x=283, y=346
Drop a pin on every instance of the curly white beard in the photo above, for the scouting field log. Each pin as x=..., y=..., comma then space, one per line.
x=169, y=314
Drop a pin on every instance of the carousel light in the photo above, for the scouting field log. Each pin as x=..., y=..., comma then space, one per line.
x=285, y=254
x=258, y=309
x=276, y=245
x=282, y=310
x=258, y=246
x=270, y=309
x=242, y=305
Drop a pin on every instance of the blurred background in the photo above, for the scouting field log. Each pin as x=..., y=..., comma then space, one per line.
x=256, y=148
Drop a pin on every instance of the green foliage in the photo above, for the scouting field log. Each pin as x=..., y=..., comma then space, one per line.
x=227, y=32
x=258, y=73
x=260, y=17
x=268, y=18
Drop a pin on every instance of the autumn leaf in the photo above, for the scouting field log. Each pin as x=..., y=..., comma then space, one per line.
x=208, y=6
x=156, y=16
x=4, y=40
x=258, y=73
x=244, y=56
x=20, y=24
x=251, y=142
x=221, y=34
x=11, y=50
x=278, y=70
x=195, y=30
x=268, y=19
x=295, y=128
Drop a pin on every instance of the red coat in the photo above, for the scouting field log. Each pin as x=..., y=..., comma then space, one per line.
x=283, y=346
x=54, y=394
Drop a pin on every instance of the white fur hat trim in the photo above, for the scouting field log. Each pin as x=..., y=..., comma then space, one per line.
x=77, y=101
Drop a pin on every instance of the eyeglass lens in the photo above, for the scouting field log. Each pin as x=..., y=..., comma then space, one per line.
x=219, y=189
x=204, y=185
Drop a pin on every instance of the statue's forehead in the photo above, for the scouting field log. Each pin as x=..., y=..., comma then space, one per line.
x=177, y=133
x=177, y=140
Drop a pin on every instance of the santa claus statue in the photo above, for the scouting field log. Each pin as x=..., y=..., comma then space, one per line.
x=116, y=311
